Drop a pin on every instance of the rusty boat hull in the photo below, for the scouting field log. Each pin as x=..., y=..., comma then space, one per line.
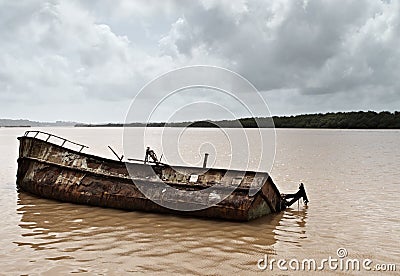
x=56, y=172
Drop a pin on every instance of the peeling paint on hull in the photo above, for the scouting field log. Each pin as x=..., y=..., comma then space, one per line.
x=55, y=172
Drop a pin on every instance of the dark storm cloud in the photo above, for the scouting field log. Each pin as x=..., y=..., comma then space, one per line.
x=314, y=46
x=306, y=56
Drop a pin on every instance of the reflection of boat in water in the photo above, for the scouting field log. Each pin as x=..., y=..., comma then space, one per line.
x=56, y=172
x=292, y=227
x=47, y=223
x=79, y=238
x=68, y=227
x=300, y=216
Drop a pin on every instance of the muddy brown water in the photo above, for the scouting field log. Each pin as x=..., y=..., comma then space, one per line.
x=352, y=178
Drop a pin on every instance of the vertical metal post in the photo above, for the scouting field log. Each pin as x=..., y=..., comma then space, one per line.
x=205, y=160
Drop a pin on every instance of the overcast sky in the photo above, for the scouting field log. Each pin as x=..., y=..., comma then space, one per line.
x=86, y=60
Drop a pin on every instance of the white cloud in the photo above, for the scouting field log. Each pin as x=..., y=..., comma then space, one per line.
x=57, y=51
x=100, y=51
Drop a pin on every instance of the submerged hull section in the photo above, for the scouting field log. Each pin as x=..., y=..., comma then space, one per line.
x=55, y=172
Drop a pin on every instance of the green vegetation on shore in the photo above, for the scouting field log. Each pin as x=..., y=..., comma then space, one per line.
x=28, y=123
x=338, y=120
x=346, y=120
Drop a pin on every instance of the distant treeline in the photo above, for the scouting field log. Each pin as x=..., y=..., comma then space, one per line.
x=349, y=120
x=15, y=126
x=28, y=123
x=357, y=120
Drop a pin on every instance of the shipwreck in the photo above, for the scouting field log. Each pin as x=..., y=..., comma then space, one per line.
x=50, y=169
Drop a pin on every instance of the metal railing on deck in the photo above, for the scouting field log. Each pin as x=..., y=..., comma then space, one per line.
x=35, y=134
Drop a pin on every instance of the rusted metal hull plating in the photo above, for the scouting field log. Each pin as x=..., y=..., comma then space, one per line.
x=55, y=172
